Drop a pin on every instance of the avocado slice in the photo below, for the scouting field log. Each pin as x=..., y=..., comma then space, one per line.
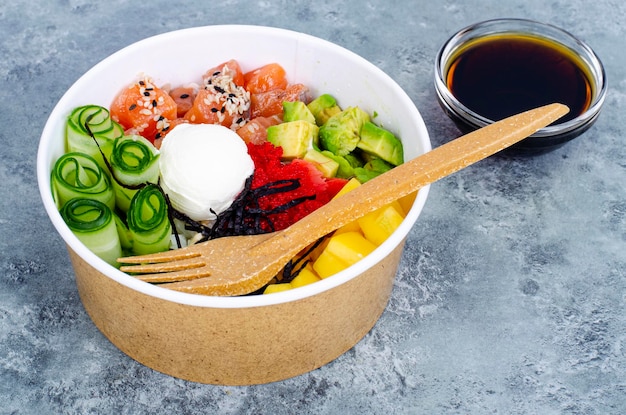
x=295, y=137
x=325, y=164
x=345, y=170
x=323, y=107
x=297, y=110
x=381, y=143
x=371, y=169
x=340, y=134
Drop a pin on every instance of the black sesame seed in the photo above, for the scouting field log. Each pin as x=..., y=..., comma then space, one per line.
x=222, y=109
x=214, y=110
x=216, y=73
x=219, y=89
x=161, y=118
x=146, y=94
x=132, y=107
x=154, y=103
x=184, y=96
x=142, y=83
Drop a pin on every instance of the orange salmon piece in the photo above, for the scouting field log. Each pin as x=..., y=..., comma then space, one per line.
x=184, y=97
x=266, y=104
x=265, y=78
x=220, y=100
x=255, y=130
x=144, y=109
x=230, y=68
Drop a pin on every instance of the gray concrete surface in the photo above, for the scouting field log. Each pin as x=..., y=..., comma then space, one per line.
x=510, y=295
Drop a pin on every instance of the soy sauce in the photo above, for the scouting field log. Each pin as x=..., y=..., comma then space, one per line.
x=501, y=75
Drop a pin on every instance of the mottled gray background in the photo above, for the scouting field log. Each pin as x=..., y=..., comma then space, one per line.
x=510, y=296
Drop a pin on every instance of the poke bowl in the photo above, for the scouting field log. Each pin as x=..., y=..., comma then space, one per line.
x=246, y=339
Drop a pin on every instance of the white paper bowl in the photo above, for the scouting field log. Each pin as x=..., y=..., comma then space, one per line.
x=252, y=339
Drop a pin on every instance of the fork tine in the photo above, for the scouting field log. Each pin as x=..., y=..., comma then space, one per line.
x=160, y=257
x=161, y=267
x=178, y=276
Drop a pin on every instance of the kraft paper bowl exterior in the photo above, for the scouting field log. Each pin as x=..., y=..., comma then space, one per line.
x=250, y=339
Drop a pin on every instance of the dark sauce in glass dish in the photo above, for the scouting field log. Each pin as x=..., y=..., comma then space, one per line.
x=501, y=75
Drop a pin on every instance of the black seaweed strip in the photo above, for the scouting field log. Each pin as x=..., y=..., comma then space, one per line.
x=288, y=205
x=106, y=161
x=290, y=272
x=170, y=215
x=245, y=216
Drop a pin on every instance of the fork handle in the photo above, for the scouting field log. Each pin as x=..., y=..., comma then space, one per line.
x=417, y=173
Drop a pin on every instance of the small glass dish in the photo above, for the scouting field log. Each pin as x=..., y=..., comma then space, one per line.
x=525, y=56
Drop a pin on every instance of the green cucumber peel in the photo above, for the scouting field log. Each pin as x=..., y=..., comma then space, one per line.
x=134, y=162
x=78, y=175
x=93, y=223
x=148, y=221
x=126, y=239
x=91, y=130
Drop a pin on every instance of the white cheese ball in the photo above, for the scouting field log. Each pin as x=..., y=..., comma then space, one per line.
x=203, y=168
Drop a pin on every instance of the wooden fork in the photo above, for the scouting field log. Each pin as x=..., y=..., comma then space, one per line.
x=242, y=264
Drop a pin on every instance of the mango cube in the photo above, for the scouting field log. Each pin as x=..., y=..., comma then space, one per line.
x=407, y=202
x=328, y=264
x=275, y=288
x=350, y=247
x=343, y=250
x=315, y=252
x=305, y=277
x=353, y=183
x=352, y=226
x=380, y=224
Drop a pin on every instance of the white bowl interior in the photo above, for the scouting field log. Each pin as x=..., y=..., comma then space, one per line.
x=183, y=56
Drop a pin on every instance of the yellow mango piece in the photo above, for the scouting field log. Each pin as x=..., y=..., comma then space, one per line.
x=380, y=224
x=398, y=206
x=350, y=247
x=315, y=253
x=353, y=183
x=275, y=288
x=407, y=202
x=305, y=277
x=328, y=264
x=350, y=227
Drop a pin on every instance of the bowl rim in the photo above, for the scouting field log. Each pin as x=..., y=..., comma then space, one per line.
x=43, y=178
x=517, y=25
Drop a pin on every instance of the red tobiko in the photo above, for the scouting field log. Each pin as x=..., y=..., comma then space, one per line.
x=269, y=168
